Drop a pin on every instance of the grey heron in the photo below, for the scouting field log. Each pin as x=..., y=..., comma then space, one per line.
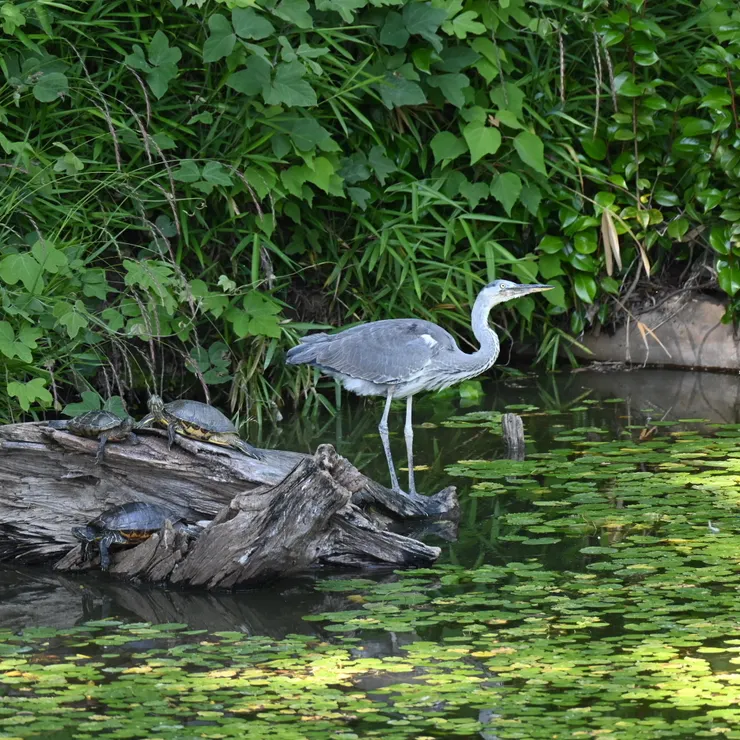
x=397, y=358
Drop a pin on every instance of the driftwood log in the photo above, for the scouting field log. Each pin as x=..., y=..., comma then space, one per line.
x=262, y=519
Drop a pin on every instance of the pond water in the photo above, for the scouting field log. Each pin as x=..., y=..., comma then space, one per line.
x=593, y=591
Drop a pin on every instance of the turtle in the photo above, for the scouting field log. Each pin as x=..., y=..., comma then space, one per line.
x=127, y=524
x=98, y=424
x=197, y=420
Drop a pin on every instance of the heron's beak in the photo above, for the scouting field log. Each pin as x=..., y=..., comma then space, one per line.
x=522, y=290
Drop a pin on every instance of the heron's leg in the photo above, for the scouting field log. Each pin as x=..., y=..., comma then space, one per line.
x=383, y=429
x=408, y=433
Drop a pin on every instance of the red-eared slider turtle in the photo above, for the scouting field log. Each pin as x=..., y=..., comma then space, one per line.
x=197, y=420
x=101, y=425
x=127, y=524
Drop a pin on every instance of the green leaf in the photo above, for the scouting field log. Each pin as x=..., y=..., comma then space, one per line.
x=474, y=192
x=307, y=134
x=153, y=276
x=691, y=126
x=50, y=87
x=508, y=97
x=355, y=169
x=551, y=244
x=423, y=20
x=464, y=24
x=446, y=146
x=137, y=60
x=397, y=91
x=216, y=173
x=296, y=12
x=205, y=117
x=290, y=88
x=549, y=266
x=585, y=287
x=719, y=238
x=531, y=196
x=506, y=189
x=393, y=32
x=113, y=319
x=531, y=150
x=21, y=346
x=12, y=18
x=728, y=276
x=321, y=173
x=248, y=24
x=482, y=140
x=360, y=196
x=457, y=58
x=160, y=53
x=381, y=165
x=253, y=79
x=624, y=84
x=345, y=8
x=293, y=180
x=49, y=257
x=508, y=118
x=595, y=148
x=25, y=268
x=451, y=86
x=69, y=163
x=27, y=393
x=679, y=226
x=91, y=401
x=258, y=318
x=220, y=42
x=159, y=79
x=187, y=171
x=71, y=317
x=94, y=283
x=586, y=242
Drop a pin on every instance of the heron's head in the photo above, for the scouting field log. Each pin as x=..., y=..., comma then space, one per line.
x=156, y=404
x=504, y=290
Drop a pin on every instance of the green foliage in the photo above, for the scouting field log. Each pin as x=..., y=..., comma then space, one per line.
x=180, y=175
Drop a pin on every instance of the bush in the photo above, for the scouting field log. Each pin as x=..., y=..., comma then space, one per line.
x=187, y=186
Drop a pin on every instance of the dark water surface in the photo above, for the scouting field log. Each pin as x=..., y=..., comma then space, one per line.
x=551, y=405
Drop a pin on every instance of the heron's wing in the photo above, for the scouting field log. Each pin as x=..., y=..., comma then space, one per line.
x=391, y=351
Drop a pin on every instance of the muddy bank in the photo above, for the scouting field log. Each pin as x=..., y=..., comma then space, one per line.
x=685, y=331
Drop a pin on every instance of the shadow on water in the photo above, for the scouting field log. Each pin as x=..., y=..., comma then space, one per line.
x=34, y=597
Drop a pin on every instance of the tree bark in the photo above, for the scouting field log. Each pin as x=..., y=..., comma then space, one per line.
x=265, y=518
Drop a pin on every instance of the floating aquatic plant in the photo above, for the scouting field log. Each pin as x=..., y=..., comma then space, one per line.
x=587, y=597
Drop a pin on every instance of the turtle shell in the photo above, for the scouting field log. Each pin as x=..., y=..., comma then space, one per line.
x=93, y=423
x=199, y=416
x=135, y=520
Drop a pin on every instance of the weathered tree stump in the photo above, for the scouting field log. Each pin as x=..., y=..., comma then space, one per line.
x=263, y=519
x=513, y=430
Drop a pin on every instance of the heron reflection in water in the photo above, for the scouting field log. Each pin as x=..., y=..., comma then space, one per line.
x=397, y=358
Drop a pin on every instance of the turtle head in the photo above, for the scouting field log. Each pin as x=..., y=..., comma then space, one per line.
x=85, y=534
x=156, y=404
x=127, y=425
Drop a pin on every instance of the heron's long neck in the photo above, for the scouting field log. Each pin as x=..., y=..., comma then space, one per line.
x=483, y=358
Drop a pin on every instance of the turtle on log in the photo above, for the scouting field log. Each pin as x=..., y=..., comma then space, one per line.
x=99, y=424
x=127, y=524
x=198, y=421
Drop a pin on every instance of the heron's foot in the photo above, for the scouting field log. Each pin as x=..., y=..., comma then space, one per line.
x=411, y=492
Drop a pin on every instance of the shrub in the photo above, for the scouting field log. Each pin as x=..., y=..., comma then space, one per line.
x=182, y=179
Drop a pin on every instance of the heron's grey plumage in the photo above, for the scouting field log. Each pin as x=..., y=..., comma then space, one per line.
x=397, y=358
